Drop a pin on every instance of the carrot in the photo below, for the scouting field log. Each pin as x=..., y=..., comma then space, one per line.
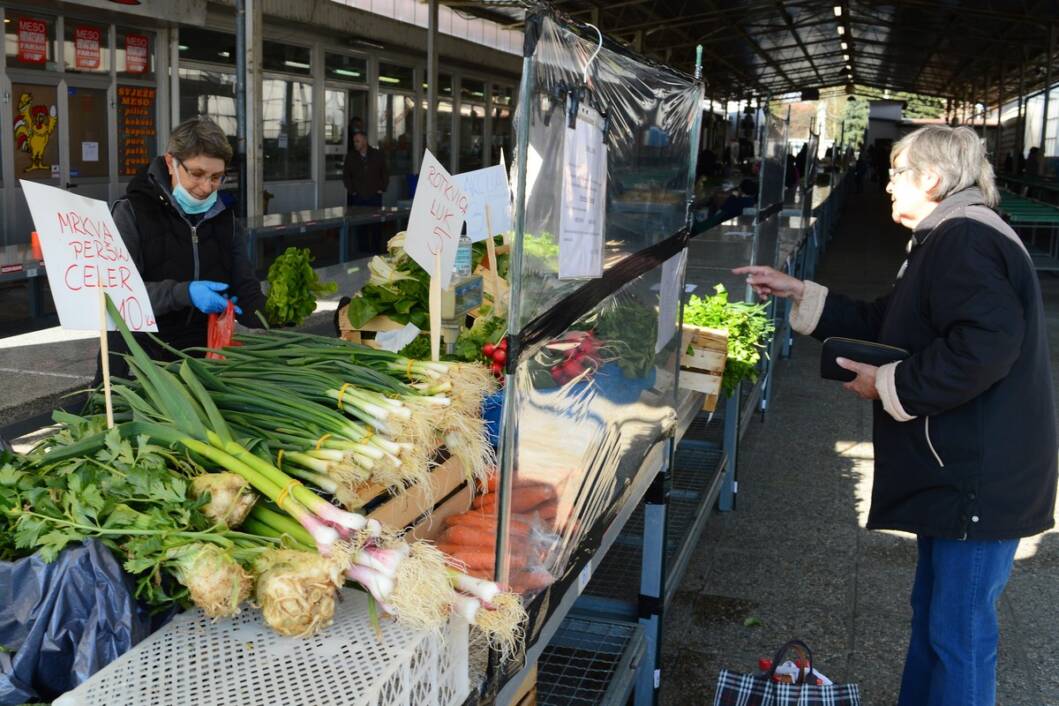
x=532, y=580
x=530, y=496
x=479, y=559
x=460, y=534
x=486, y=522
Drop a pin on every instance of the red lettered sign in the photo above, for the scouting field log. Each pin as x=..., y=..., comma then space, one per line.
x=86, y=47
x=136, y=48
x=32, y=40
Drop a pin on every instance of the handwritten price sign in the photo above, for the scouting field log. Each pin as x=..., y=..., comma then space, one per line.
x=438, y=212
x=84, y=252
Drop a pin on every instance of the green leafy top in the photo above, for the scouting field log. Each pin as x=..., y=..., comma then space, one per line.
x=749, y=329
x=293, y=287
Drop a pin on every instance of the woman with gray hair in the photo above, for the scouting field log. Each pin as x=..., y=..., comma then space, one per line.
x=185, y=243
x=964, y=428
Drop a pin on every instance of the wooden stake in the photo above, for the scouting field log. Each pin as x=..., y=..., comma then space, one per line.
x=494, y=274
x=435, y=309
x=104, y=356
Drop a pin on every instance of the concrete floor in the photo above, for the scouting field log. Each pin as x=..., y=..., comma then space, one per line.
x=794, y=559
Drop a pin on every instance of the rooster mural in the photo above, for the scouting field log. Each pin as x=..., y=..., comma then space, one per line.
x=34, y=125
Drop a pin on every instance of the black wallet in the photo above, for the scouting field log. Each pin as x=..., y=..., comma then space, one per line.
x=854, y=349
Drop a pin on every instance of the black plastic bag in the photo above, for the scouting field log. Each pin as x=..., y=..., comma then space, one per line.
x=62, y=622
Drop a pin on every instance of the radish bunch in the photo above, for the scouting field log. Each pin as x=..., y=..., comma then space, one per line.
x=496, y=356
x=581, y=353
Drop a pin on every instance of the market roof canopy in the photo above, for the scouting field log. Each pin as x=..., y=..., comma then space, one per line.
x=952, y=48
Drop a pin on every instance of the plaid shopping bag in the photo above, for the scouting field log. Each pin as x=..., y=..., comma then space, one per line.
x=734, y=689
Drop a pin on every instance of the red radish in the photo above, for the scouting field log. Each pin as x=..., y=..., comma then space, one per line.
x=503, y=343
x=557, y=374
x=500, y=356
x=488, y=349
x=497, y=369
x=572, y=368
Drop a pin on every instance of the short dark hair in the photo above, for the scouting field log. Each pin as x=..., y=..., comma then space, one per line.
x=748, y=187
x=199, y=136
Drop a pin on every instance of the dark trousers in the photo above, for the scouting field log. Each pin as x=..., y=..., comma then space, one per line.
x=368, y=237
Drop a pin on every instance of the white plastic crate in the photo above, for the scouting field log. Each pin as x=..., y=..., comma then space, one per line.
x=193, y=661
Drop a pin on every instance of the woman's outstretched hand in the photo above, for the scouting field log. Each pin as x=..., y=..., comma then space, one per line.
x=768, y=282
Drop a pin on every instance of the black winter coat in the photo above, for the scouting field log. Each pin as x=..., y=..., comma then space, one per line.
x=978, y=461
x=158, y=235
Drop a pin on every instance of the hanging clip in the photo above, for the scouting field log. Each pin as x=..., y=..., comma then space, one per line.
x=573, y=99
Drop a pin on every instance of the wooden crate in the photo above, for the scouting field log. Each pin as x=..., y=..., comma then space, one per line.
x=366, y=333
x=704, y=353
x=449, y=489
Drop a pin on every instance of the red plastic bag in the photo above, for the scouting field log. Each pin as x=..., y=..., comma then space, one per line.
x=220, y=330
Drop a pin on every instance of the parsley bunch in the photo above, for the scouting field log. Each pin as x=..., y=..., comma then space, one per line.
x=749, y=330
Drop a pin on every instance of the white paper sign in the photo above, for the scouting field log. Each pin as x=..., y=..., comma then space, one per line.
x=584, y=198
x=83, y=252
x=437, y=216
x=89, y=151
x=669, y=298
x=394, y=341
x=486, y=187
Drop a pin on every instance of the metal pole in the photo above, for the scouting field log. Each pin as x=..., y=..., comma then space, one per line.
x=1020, y=134
x=240, y=103
x=997, y=161
x=1047, y=95
x=432, y=78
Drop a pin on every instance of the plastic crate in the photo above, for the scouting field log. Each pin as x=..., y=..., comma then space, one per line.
x=194, y=661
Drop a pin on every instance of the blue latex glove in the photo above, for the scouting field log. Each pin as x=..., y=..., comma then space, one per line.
x=205, y=297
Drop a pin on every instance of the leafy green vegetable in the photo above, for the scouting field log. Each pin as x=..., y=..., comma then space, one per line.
x=486, y=329
x=478, y=253
x=629, y=330
x=749, y=329
x=398, y=288
x=293, y=287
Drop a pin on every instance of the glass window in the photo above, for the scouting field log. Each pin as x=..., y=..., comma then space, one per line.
x=87, y=47
x=29, y=41
x=135, y=53
x=209, y=93
x=502, y=95
x=444, y=85
x=206, y=45
x=501, y=125
x=338, y=131
x=286, y=116
x=395, y=115
x=88, y=132
x=472, y=90
x=137, y=137
x=395, y=77
x=472, y=136
x=284, y=57
x=340, y=67
x=36, y=142
x=444, y=118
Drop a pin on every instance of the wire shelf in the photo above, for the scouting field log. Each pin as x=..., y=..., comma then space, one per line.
x=617, y=579
x=589, y=662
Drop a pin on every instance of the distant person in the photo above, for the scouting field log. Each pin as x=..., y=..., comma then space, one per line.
x=964, y=428
x=733, y=203
x=185, y=242
x=1033, y=162
x=355, y=125
x=364, y=173
x=801, y=160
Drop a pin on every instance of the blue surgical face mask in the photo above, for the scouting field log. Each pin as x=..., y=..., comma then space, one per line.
x=191, y=205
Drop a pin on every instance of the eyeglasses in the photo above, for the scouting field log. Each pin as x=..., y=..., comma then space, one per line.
x=894, y=173
x=201, y=176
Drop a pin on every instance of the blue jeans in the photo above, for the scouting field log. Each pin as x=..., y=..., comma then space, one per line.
x=952, y=651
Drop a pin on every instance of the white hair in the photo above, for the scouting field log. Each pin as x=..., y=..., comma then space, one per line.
x=956, y=154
